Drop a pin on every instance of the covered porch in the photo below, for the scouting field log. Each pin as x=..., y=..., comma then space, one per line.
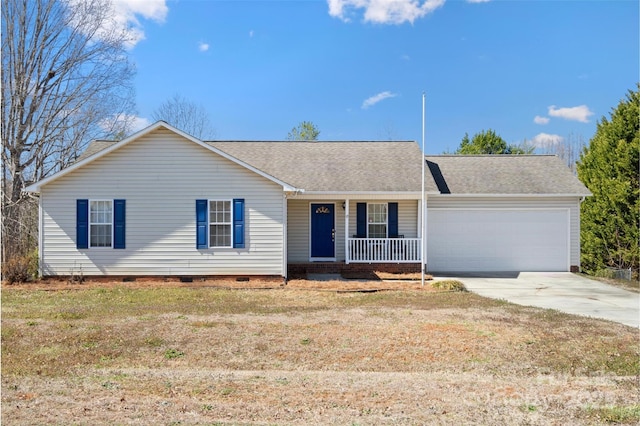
x=363, y=230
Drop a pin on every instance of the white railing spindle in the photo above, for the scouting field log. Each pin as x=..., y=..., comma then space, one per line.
x=381, y=250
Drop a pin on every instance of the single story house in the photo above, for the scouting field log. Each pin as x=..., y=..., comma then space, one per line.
x=163, y=203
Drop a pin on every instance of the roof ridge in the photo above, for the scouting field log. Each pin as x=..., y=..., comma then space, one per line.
x=490, y=155
x=311, y=142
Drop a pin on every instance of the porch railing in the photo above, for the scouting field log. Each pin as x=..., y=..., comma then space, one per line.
x=380, y=250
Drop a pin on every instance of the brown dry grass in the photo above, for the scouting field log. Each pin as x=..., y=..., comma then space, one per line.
x=161, y=353
x=630, y=285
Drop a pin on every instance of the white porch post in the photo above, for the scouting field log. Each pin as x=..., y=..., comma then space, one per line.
x=346, y=232
x=420, y=218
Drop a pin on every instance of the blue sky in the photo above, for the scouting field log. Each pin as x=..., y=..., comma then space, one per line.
x=535, y=70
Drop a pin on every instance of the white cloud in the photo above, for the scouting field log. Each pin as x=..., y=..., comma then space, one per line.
x=251, y=33
x=126, y=14
x=128, y=11
x=384, y=11
x=579, y=113
x=540, y=120
x=203, y=47
x=545, y=140
x=371, y=101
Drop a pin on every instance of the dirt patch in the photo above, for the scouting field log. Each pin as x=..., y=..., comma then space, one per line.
x=147, y=282
x=355, y=283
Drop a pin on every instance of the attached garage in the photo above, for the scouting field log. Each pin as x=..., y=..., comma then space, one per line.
x=503, y=213
x=498, y=239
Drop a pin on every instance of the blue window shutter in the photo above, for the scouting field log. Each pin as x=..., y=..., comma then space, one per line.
x=82, y=224
x=119, y=224
x=393, y=220
x=201, y=224
x=361, y=210
x=238, y=223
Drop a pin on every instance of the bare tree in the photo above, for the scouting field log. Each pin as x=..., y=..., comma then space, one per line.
x=65, y=76
x=388, y=132
x=567, y=149
x=187, y=116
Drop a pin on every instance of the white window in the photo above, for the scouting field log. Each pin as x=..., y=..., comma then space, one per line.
x=220, y=223
x=377, y=220
x=100, y=223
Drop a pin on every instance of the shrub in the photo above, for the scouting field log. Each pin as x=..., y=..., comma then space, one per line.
x=449, y=285
x=20, y=269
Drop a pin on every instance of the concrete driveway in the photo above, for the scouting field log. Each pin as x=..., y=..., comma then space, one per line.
x=563, y=291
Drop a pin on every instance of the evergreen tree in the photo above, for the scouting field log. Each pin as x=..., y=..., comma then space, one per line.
x=609, y=168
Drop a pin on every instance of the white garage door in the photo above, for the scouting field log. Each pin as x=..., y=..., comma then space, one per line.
x=497, y=240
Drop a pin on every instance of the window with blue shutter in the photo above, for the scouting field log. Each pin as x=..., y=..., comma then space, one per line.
x=201, y=224
x=376, y=217
x=119, y=224
x=238, y=223
x=220, y=223
x=100, y=224
x=82, y=224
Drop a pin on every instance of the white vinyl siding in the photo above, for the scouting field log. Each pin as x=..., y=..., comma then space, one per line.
x=551, y=234
x=161, y=175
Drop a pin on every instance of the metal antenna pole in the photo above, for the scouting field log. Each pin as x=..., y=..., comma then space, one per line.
x=422, y=224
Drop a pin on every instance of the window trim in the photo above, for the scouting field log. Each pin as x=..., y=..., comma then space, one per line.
x=386, y=223
x=111, y=224
x=230, y=223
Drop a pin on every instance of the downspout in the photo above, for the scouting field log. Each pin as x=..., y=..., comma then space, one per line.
x=40, y=238
x=285, y=220
x=347, y=256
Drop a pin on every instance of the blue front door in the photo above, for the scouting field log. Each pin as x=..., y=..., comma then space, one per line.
x=323, y=231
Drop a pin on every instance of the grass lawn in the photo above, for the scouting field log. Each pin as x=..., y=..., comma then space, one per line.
x=178, y=355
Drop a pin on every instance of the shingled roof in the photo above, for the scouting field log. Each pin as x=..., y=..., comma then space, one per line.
x=395, y=167
x=94, y=147
x=336, y=166
x=504, y=174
